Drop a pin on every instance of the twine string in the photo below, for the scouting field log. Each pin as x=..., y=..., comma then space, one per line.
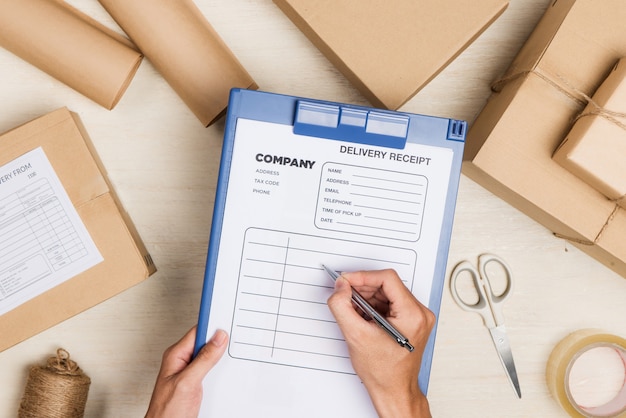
x=570, y=91
x=598, y=236
x=62, y=364
x=583, y=99
x=498, y=85
x=57, y=390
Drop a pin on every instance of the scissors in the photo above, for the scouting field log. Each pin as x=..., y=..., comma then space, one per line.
x=489, y=307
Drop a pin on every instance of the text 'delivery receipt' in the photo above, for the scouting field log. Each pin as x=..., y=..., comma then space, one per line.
x=43, y=241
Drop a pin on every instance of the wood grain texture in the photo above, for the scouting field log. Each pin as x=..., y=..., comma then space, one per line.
x=163, y=164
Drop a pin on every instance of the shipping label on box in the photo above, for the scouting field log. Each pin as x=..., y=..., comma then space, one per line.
x=124, y=259
x=44, y=241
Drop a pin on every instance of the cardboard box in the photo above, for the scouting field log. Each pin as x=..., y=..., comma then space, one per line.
x=126, y=261
x=510, y=145
x=391, y=49
x=595, y=148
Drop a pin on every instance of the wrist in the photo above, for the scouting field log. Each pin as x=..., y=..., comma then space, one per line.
x=410, y=404
x=152, y=411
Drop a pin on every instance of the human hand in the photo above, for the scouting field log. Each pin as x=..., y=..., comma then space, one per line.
x=178, y=388
x=388, y=370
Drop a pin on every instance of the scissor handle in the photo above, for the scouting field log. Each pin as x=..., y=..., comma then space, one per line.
x=485, y=259
x=488, y=302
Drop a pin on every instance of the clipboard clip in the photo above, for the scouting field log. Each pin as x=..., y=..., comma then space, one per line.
x=351, y=124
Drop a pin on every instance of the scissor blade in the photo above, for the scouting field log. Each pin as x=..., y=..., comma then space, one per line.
x=501, y=341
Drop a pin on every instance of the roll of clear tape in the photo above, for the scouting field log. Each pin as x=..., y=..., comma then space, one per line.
x=560, y=363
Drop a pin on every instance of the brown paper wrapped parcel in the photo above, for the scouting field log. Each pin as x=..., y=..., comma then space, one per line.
x=595, y=148
x=510, y=145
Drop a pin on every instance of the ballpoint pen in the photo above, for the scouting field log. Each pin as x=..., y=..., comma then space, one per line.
x=371, y=312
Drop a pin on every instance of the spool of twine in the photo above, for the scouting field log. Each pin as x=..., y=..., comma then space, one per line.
x=57, y=390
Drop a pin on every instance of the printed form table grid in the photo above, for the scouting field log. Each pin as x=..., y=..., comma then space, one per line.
x=34, y=229
x=280, y=313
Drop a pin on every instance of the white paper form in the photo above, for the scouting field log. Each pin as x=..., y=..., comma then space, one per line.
x=281, y=314
x=293, y=203
x=43, y=241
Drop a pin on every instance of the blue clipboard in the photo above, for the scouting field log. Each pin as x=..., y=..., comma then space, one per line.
x=360, y=134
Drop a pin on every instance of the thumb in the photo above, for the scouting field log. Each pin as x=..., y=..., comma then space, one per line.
x=208, y=356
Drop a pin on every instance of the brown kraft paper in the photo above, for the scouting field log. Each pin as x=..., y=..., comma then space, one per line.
x=185, y=49
x=69, y=46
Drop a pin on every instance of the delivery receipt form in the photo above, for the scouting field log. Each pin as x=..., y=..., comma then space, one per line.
x=292, y=203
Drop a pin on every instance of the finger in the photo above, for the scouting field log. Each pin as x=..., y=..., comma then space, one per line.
x=340, y=305
x=340, y=302
x=392, y=296
x=208, y=356
x=371, y=279
x=375, y=282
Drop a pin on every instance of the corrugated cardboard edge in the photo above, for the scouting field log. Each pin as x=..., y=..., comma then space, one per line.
x=98, y=283
x=338, y=62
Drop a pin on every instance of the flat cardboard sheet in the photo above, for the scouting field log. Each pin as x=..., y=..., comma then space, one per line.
x=595, y=148
x=126, y=261
x=510, y=145
x=69, y=46
x=391, y=49
x=185, y=50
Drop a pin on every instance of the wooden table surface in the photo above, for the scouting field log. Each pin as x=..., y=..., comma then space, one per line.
x=163, y=164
